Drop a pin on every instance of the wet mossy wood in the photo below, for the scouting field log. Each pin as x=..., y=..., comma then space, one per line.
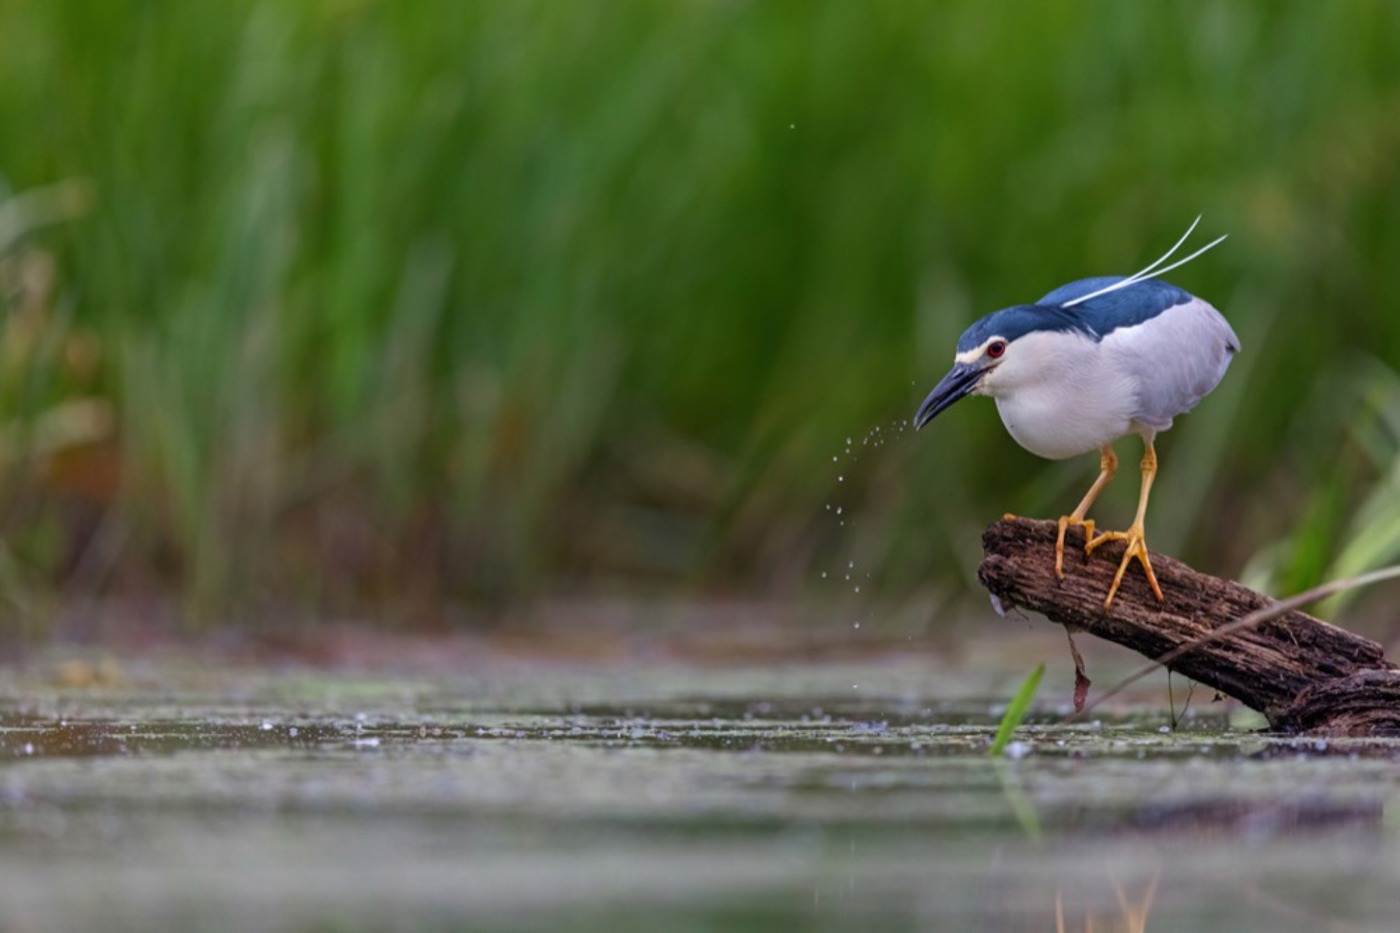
x=1304, y=674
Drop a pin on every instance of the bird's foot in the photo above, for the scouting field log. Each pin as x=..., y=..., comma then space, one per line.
x=1065, y=522
x=1137, y=547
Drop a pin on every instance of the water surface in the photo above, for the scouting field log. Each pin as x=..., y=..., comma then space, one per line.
x=666, y=795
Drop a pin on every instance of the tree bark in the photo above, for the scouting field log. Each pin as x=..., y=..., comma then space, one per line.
x=1303, y=674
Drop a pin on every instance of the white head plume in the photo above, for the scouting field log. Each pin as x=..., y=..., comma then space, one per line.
x=1151, y=272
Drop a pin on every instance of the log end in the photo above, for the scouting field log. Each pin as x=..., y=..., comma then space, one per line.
x=1365, y=704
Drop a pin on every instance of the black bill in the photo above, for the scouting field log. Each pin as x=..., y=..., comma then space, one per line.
x=960, y=381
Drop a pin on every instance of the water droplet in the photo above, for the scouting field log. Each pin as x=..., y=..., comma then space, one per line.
x=857, y=587
x=838, y=509
x=857, y=625
x=840, y=479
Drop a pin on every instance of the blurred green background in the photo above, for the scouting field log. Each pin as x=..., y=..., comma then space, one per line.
x=331, y=304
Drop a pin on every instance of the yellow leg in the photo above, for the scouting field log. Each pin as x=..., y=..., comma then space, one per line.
x=1135, y=536
x=1108, y=465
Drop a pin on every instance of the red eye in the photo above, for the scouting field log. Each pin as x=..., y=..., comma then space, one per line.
x=996, y=348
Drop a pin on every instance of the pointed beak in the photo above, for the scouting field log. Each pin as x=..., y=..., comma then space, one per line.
x=960, y=381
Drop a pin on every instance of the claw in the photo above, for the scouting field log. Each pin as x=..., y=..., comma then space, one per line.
x=1137, y=547
x=1065, y=522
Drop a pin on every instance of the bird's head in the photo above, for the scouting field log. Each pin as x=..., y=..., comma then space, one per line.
x=989, y=351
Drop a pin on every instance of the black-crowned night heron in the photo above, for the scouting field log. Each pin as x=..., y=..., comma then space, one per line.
x=1090, y=362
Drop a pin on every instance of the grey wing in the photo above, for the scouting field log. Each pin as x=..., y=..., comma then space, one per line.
x=1175, y=359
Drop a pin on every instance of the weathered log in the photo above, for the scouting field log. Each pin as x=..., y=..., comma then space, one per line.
x=1303, y=674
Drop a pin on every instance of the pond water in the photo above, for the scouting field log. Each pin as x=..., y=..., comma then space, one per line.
x=662, y=795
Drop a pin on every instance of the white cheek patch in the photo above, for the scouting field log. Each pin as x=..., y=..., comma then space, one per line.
x=975, y=354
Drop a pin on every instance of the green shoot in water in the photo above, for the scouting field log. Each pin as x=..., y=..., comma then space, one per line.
x=1016, y=712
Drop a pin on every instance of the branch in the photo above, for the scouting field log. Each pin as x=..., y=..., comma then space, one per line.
x=1303, y=674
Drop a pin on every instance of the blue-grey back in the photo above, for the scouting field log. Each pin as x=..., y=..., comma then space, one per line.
x=1096, y=318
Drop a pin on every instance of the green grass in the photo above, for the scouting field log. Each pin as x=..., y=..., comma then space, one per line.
x=1016, y=711
x=477, y=300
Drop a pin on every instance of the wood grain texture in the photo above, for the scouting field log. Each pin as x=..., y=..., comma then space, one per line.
x=1304, y=674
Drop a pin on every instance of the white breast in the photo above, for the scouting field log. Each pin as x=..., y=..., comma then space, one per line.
x=1059, y=396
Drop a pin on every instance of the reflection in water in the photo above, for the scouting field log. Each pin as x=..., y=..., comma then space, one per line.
x=1132, y=912
x=1107, y=874
x=1258, y=819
